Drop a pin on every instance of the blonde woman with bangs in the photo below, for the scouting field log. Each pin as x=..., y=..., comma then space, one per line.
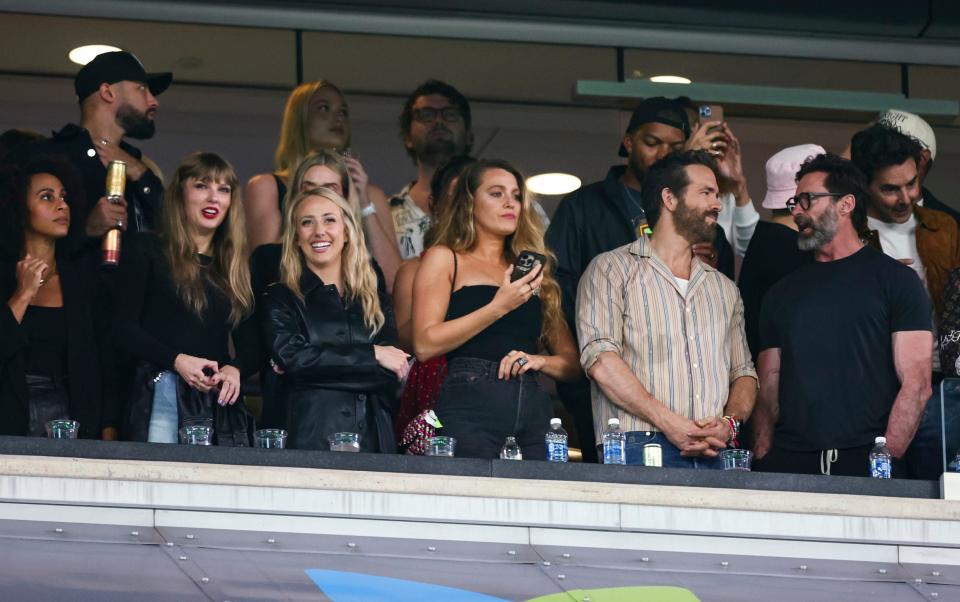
x=316, y=120
x=496, y=333
x=183, y=292
x=330, y=328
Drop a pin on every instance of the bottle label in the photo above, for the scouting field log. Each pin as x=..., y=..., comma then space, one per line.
x=613, y=453
x=556, y=451
x=880, y=468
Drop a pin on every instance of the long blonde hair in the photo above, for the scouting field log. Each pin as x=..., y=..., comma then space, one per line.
x=455, y=227
x=335, y=162
x=229, y=271
x=359, y=278
x=294, y=142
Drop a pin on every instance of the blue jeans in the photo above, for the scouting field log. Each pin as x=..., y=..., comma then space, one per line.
x=635, y=440
x=925, y=456
x=163, y=416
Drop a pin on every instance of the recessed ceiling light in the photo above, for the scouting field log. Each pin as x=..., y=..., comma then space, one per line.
x=670, y=79
x=553, y=183
x=82, y=55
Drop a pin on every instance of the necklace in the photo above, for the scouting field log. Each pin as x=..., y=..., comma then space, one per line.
x=639, y=222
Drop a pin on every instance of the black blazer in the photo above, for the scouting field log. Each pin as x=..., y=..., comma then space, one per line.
x=91, y=384
x=333, y=382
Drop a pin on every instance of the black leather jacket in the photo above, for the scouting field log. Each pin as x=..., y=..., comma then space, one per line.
x=333, y=382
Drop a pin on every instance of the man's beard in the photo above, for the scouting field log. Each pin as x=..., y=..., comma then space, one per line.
x=823, y=229
x=437, y=151
x=692, y=225
x=135, y=125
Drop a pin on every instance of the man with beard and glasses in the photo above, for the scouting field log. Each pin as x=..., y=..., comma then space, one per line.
x=608, y=214
x=661, y=331
x=435, y=126
x=844, y=341
x=117, y=100
x=924, y=238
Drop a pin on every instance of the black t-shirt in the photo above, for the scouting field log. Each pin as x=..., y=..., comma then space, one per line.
x=771, y=255
x=833, y=323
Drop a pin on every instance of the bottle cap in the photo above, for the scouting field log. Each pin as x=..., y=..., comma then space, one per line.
x=613, y=421
x=880, y=440
x=554, y=422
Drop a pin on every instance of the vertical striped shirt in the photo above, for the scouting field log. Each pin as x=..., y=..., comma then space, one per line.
x=686, y=349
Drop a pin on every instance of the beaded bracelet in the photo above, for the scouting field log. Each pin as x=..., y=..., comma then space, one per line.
x=734, y=425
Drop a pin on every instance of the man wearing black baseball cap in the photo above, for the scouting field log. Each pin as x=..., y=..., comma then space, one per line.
x=609, y=214
x=117, y=100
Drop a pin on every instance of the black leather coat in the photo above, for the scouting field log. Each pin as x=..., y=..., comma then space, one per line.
x=332, y=380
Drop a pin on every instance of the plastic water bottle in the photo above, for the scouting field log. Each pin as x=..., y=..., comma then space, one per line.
x=880, y=460
x=510, y=449
x=614, y=451
x=556, y=442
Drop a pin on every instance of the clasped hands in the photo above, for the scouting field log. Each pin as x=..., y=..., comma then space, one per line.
x=205, y=375
x=704, y=437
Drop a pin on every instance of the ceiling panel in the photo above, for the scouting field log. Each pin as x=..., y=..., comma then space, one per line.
x=850, y=17
x=764, y=71
x=482, y=70
x=198, y=53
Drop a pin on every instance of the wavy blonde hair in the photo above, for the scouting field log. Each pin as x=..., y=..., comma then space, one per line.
x=229, y=271
x=455, y=227
x=294, y=143
x=359, y=278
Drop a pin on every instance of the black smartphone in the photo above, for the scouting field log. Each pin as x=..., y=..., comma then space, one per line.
x=524, y=264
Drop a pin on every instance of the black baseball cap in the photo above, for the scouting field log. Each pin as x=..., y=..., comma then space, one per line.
x=659, y=110
x=113, y=67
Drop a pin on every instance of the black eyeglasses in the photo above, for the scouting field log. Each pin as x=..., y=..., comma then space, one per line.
x=429, y=114
x=805, y=199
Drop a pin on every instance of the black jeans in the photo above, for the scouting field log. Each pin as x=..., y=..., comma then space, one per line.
x=479, y=410
x=852, y=462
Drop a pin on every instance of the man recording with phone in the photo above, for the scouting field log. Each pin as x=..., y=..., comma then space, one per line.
x=738, y=217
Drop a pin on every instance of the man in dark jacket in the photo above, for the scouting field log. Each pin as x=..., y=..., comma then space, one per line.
x=605, y=215
x=117, y=100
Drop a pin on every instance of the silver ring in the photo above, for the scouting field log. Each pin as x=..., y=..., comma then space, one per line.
x=522, y=361
x=119, y=223
x=713, y=145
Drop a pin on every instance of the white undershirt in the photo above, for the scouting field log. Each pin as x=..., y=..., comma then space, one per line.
x=682, y=284
x=899, y=241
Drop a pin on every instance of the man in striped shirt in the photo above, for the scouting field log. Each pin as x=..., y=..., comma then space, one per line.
x=661, y=333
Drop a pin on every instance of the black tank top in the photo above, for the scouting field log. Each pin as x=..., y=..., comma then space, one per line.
x=281, y=191
x=46, y=333
x=518, y=330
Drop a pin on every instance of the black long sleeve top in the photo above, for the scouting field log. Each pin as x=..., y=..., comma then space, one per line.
x=155, y=325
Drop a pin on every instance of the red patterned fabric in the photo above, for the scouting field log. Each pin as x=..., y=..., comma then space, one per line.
x=421, y=392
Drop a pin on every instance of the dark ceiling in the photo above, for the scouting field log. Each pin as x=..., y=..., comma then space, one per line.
x=905, y=19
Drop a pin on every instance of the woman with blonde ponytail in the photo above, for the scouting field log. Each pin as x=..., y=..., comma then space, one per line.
x=330, y=327
x=181, y=294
